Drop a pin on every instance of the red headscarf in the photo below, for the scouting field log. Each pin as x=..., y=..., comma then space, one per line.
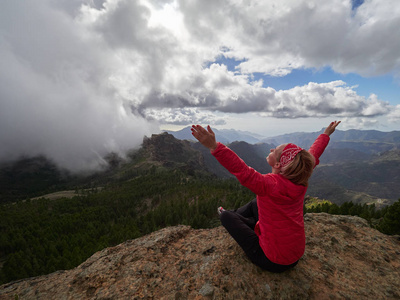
x=288, y=154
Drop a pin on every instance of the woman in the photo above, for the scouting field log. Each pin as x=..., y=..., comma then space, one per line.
x=270, y=229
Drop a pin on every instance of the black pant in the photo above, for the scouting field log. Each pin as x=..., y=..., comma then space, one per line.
x=240, y=225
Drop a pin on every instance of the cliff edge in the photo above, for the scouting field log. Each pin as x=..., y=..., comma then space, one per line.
x=344, y=259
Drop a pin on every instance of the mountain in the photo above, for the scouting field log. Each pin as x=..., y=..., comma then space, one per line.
x=29, y=177
x=358, y=166
x=344, y=174
x=166, y=151
x=371, y=180
x=36, y=176
x=366, y=172
x=224, y=135
x=362, y=166
x=366, y=141
x=253, y=155
x=344, y=259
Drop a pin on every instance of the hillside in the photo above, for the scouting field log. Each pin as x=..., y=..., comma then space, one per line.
x=373, y=180
x=344, y=259
x=30, y=177
x=154, y=189
x=253, y=155
x=366, y=141
x=344, y=174
x=37, y=176
x=362, y=166
x=225, y=136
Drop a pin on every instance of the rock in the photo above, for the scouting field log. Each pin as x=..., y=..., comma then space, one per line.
x=344, y=259
x=207, y=290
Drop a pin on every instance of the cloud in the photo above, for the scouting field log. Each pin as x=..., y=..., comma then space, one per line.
x=358, y=123
x=184, y=116
x=394, y=115
x=228, y=93
x=56, y=96
x=81, y=78
x=275, y=37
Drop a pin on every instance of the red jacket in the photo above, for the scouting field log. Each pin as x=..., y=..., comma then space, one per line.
x=280, y=204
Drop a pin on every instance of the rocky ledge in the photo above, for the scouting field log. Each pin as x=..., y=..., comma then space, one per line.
x=344, y=259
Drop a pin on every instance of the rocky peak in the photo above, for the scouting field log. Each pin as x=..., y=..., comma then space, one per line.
x=169, y=151
x=344, y=259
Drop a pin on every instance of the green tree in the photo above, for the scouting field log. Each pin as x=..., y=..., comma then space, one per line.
x=390, y=223
x=345, y=208
x=334, y=209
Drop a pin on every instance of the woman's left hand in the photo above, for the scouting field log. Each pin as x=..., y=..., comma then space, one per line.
x=331, y=127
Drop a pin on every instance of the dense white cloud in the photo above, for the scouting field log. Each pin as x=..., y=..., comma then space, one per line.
x=394, y=114
x=277, y=36
x=56, y=94
x=312, y=100
x=184, y=116
x=82, y=77
x=359, y=123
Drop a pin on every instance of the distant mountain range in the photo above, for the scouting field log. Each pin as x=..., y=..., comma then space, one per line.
x=358, y=166
x=225, y=136
x=366, y=141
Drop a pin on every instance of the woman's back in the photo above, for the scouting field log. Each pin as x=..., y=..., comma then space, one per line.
x=281, y=226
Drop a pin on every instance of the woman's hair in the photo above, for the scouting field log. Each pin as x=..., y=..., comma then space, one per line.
x=300, y=169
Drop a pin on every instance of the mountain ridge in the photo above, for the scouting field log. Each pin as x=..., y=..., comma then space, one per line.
x=303, y=139
x=224, y=135
x=343, y=174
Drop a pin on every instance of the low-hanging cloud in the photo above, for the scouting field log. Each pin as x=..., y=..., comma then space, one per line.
x=55, y=90
x=81, y=78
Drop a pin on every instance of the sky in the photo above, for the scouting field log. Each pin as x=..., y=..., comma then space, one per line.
x=81, y=78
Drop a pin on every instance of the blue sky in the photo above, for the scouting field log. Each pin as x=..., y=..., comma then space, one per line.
x=356, y=3
x=386, y=87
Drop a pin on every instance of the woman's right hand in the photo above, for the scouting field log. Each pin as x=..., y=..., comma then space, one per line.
x=205, y=137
